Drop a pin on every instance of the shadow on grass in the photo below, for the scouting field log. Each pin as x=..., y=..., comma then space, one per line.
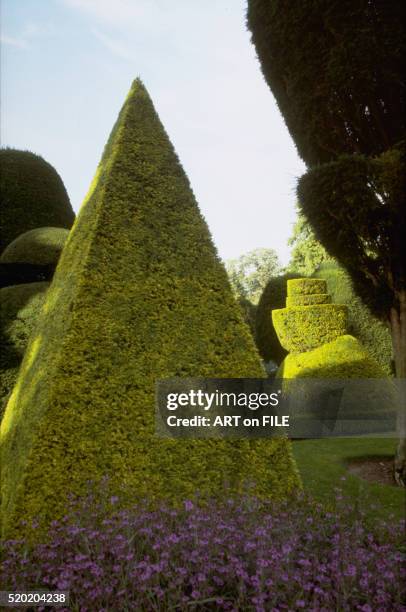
x=324, y=467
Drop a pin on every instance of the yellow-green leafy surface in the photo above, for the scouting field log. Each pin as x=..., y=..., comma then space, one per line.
x=42, y=246
x=138, y=295
x=343, y=358
x=308, y=299
x=306, y=286
x=301, y=328
x=19, y=309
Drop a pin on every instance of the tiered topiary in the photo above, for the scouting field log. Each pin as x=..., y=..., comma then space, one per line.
x=372, y=333
x=315, y=333
x=20, y=306
x=139, y=294
x=32, y=195
x=273, y=297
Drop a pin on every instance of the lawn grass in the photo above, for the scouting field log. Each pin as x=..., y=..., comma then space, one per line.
x=322, y=465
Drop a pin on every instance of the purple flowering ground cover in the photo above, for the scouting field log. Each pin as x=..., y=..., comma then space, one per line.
x=241, y=554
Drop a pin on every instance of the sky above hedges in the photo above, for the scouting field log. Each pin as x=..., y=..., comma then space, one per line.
x=66, y=68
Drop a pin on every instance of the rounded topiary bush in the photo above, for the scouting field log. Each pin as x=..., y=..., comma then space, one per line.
x=32, y=195
x=372, y=333
x=341, y=358
x=41, y=246
x=273, y=297
x=20, y=305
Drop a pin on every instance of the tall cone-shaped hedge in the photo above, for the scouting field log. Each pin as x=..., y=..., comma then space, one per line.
x=139, y=294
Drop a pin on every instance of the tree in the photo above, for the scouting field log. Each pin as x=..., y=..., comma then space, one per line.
x=139, y=294
x=336, y=69
x=307, y=252
x=250, y=273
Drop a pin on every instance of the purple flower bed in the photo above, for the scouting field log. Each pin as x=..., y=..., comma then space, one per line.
x=231, y=555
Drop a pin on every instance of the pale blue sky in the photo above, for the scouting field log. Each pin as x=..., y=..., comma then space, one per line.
x=67, y=65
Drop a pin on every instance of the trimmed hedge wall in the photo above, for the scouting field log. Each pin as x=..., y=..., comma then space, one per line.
x=139, y=294
x=342, y=358
x=273, y=296
x=41, y=246
x=372, y=333
x=32, y=195
x=20, y=306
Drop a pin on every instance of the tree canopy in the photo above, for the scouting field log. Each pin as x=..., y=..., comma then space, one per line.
x=307, y=252
x=250, y=273
x=336, y=69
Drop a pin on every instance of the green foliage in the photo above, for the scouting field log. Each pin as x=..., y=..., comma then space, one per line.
x=273, y=296
x=317, y=339
x=32, y=195
x=41, y=246
x=356, y=205
x=250, y=273
x=301, y=328
x=336, y=70
x=307, y=252
x=20, y=306
x=372, y=333
x=139, y=294
x=308, y=300
x=342, y=358
x=249, y=311
x=306, y=286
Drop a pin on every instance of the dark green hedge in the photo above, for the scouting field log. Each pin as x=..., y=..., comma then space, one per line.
x=32, y=195
x=372, y=333
x=19, y=309
x=138, y=295
x=40, y=246
x=249, y=311
x=273, y=297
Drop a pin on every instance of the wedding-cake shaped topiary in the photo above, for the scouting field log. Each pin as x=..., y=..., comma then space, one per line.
x=314, y=331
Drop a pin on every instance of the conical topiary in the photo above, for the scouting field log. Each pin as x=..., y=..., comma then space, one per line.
x=139, y=294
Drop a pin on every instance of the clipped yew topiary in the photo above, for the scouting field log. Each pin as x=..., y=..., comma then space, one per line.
x=41, y=246
x=342, y=358
x=308, y=300
x=139, y=294
x=372, y=333
x=19, y=309
x=273, y=296
x=301, y=328
x=316, y=336
x=32, y=195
